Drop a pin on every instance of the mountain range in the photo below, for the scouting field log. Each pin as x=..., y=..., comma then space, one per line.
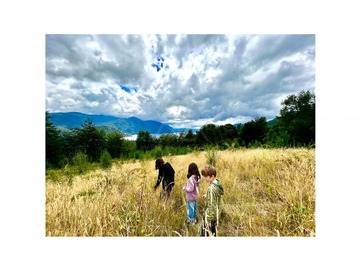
x=128, y=126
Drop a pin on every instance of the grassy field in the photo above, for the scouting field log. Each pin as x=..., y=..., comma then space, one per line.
x=268, y=192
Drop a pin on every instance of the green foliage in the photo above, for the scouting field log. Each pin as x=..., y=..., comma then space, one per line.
x=80, y=161
x=256, y=144
x=71, y=146
x=294, y=127
x=227, y=132
x=137, y=154
x=169, y=139
x=129, y=147
x=158, y=152
x=53, y=175
x=233, y=145
x=105, y=159
x=211, y=157
x=91, y=140
x=189, y=139
x=54, y=144
x=255, y=130
x=86, y=193
x=115, y=144
x=145, y=141
x=297, y=118
x=208, y=134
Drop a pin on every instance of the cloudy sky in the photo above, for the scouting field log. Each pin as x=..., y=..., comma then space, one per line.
x=182, y=80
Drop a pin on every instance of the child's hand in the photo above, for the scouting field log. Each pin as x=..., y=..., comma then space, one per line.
x=203, y=197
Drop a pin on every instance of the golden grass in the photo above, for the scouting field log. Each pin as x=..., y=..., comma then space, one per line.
x=268, y=192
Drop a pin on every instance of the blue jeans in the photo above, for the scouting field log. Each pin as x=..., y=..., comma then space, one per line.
x=192, y=210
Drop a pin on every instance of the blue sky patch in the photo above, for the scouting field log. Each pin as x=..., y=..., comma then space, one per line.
x=127, y=88
x=159, y=64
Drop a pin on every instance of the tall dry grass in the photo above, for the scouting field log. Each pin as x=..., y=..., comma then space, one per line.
x=268, y=192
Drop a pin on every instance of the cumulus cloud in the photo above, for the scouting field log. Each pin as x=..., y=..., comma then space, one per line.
x=183, y=80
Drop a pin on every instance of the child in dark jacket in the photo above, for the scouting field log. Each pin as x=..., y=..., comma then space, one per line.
x=192, y=192
x=166, y=176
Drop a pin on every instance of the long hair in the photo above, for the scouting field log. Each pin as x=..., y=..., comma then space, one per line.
x=193, y=170
x=158, y=163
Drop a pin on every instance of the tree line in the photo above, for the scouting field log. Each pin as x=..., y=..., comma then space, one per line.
x=294, y=127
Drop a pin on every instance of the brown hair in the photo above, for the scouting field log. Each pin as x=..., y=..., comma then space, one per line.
x=158, y=163
x=193, y=170
x=208, y=170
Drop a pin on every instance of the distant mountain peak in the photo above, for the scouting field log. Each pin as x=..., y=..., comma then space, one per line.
x=133, y=117
x=128, y=126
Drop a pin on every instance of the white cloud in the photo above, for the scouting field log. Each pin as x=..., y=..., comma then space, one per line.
x=176, y=111
x=178, y=79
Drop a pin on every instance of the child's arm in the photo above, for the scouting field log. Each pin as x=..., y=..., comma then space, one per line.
x=160, y=178
x=189, y=187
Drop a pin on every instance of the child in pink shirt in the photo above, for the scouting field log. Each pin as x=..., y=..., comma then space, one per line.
x=192, y=193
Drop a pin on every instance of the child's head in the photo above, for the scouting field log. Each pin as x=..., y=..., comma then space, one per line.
x=158, y=163
x=209, y=173
x=193, y=170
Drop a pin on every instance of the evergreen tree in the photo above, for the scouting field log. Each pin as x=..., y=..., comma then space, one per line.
x=208, y=134
x=54, y=146
x=115, y=144
x=169, y=140
x=145, y=141
x=190, y=138
x=253, y=131
x=227, y=132
x=91, y=140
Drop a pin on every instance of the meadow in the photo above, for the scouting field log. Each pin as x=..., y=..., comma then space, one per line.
x=268, y=192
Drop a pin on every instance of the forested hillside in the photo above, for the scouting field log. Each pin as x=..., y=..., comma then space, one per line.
x=294, y=127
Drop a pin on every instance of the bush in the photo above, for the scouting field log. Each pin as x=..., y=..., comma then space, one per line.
x=52, y=175
x=105, y=159
x=256, y=144
x=157, y=152
x=80, y=160
x=211, y=157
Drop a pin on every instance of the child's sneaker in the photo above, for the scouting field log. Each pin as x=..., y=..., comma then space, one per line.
x=187, y=222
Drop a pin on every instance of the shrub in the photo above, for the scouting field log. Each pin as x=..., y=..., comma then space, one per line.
x=211, y=157
x=80, y=160
x=105, y=159
x=157, y=152
x=256, y=144
x=52, y=175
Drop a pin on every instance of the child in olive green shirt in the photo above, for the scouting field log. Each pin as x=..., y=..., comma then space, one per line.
x=212, y=200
